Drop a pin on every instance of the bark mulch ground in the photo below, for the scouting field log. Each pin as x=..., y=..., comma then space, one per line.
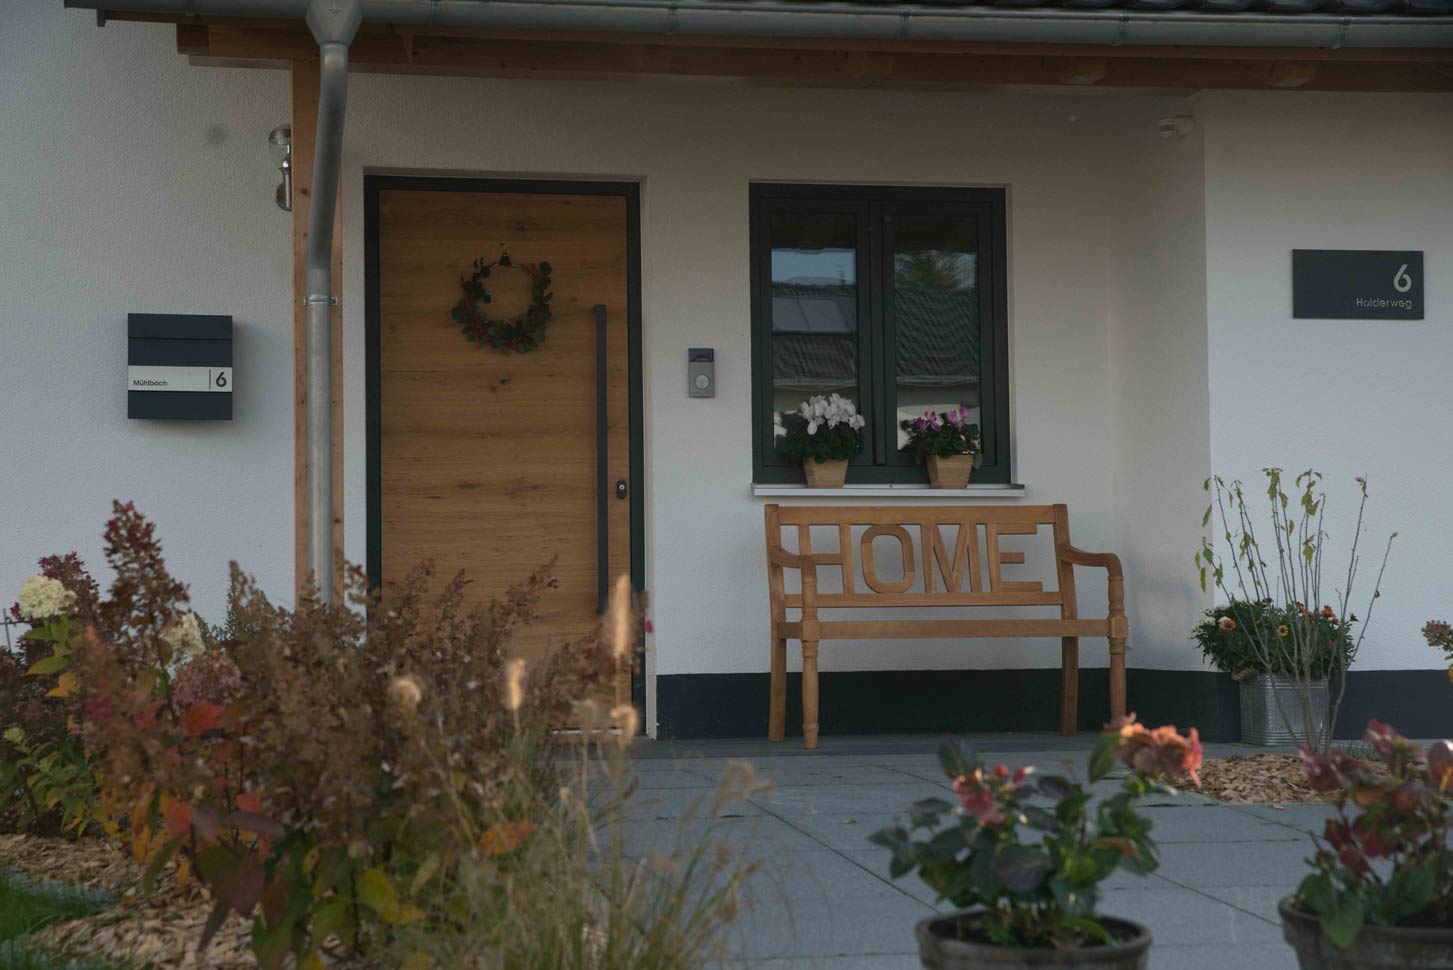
x=158, y=930
x=1257, y=779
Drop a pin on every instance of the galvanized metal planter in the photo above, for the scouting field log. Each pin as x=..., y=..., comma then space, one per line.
x=1374, y=947
x=1264, y=698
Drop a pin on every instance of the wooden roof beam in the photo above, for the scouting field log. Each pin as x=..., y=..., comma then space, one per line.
x=632, y=56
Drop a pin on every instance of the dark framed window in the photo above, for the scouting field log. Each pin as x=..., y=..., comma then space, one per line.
x=893, y=297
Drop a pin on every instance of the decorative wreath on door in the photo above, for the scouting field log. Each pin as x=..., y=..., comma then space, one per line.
x=526, y=331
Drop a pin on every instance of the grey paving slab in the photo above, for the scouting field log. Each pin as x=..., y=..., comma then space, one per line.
x=663, y=803
x=1261, y=900
x=846, y=801
x=817, y=875
x=1257, y=956
x=1307, y=819
x=875, y=860
x=650, y=777
x=1165, y=910
x=1205, y=865
x=840, y=926
x=846, y=833
x=874, y=961
x=1199, y=822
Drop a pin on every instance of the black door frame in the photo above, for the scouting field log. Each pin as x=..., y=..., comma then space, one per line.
x=373, y=184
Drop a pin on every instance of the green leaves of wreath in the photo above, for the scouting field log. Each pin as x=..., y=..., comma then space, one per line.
x=522, y=334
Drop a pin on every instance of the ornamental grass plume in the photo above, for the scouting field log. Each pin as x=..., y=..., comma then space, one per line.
x=514, y=684
x=621, y=620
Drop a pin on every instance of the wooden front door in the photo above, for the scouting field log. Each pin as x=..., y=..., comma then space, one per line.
x=483, y=459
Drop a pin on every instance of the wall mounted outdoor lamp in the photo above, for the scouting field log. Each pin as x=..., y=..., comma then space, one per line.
x=280, y=147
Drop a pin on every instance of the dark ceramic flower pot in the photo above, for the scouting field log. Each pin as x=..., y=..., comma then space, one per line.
x=1374, y=947
x=939, y=950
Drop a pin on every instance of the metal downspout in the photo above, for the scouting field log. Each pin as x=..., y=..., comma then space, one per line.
x=334, y=24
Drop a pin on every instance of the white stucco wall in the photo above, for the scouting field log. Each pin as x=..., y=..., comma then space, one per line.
x=134, y=182
x=130, y=182
x=1348, y=397
x=1160, y=428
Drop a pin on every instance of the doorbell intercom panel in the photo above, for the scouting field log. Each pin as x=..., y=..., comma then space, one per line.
x=701, y=372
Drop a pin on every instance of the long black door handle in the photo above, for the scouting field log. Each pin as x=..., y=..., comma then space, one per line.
x=602, y=462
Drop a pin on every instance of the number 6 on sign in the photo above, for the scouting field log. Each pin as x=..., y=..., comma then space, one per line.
x=1401, y=281
x=221, y=380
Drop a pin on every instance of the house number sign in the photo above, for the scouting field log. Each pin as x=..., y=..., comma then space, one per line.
x=1356, y=284
x=215, y=379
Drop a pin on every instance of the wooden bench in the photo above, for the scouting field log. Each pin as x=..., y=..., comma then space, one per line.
x=965, y=582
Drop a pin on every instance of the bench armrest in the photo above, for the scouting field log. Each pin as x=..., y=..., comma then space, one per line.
x=781, y=557
x=1079, y=557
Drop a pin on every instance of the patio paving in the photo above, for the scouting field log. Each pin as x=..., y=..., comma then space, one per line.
x=824, y=898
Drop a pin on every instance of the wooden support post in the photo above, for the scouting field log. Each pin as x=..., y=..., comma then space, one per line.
x=1117, y=646
x=305, y=125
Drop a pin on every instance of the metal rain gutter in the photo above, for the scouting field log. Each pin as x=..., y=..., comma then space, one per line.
x=863, y=21
x=334, y=24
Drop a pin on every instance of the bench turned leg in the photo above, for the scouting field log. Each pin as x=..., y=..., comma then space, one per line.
x=1117, y=678
x=1069, y=686
x=777, y=709
x=809, y=693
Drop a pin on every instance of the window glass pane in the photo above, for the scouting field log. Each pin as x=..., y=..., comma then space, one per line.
x=814, y=307
x=936, y=316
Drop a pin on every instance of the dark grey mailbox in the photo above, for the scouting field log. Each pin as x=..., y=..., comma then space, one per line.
x=179, y=367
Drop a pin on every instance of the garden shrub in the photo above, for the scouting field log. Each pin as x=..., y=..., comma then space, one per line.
x=363, y=776
x=46, y=784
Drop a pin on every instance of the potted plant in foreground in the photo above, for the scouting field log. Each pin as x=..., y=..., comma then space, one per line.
x=822, y=434
x=1257, y=643
x=1031, y=901
x=947, y=443
x=1380, y=893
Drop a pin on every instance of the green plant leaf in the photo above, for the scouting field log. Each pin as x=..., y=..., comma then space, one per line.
x=928, y=809
x=158, y=862
x=1102, y=757
x=957, y=757
x=49, y=665
x=1343, y=920
x=332, y=917
x=1021, y=868
x=378, y=894
x=1409, y=891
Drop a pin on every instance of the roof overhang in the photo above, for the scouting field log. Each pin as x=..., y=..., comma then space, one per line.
x=847, y=41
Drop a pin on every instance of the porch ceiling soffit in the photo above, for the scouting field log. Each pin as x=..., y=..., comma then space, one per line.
x=1237, y=55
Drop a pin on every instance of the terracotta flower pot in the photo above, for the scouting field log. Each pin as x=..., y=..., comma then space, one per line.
x=825, y=474
x=951, y=472
x=1373, y=948
x=939, y=949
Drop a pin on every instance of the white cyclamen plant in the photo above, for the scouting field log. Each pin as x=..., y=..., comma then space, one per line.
x=823, y=428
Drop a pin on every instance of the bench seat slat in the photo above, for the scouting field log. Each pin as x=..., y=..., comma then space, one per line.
x=949, y=629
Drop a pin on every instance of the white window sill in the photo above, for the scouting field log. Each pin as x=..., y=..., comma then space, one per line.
x=905, y=492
